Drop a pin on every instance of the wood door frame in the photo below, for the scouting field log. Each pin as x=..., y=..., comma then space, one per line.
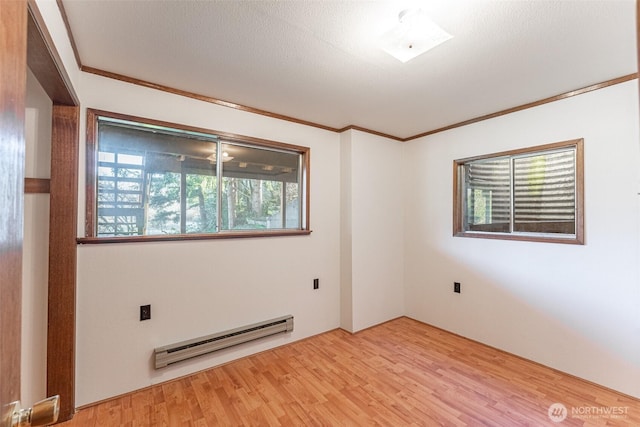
x=63, y=217
x=46, y=65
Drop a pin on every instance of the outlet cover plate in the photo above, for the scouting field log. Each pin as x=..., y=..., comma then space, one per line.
x=145, y=312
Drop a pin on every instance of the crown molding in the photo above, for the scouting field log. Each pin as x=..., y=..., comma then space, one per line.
x=372, y=132
x=565, y=95
x=203, y=98
x=229, y=104
x=65, y=19
x=258, y=111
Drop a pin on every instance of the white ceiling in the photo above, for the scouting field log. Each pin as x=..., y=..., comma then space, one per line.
x=318, y=60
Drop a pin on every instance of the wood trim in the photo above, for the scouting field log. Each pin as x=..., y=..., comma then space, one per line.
x=36, y=185
x=62, y=258
x=203, y=98
x=65, y=19
x=372, y=132
x=212, y=100
x=90, y=184
x=13, y=69
x=565, y=95
x=48, y=68
x=92, y=115
x=217, y=101
x=306, y=176
x=458, y=229
x=90, y=181
x=187, y=237
x=498, y=236
x=518, y=151
x=579, y=193
x=457, y=200
x=45, y=62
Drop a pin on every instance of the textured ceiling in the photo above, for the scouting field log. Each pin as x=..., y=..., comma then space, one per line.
x=318, y=60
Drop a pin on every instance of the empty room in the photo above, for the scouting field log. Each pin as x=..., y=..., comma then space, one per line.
x=287, y=212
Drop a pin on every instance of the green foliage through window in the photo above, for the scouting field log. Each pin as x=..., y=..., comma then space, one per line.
x=156, y=180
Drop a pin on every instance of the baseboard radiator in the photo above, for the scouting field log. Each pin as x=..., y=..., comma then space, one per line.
x=167, y=355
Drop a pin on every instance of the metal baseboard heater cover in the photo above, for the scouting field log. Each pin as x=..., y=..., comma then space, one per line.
x=178, y=352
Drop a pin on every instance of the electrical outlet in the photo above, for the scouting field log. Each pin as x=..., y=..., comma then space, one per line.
x=456, y=287
x=145, y=312
x=316, y=283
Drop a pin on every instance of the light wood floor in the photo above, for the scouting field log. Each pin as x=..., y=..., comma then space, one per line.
x=400, y=373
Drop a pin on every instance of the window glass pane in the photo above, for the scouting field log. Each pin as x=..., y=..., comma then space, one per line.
x=133, y=185
x=103, y=156
x=104, y=171
x=120, y=203
x=487, y=195
x=533, y=194
x=293, y=205
x=129, y=159
x=163, y=216
x=201, y=209
x=544, y=193
x=156, y=180
x=256, y=181
x=104, y=185
x=147, y=179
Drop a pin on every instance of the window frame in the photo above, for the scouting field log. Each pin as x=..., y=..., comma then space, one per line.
x=91, y=180
x=459, y=206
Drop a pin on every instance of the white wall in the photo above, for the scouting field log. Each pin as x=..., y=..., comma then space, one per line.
x=346, y=240
x=372, y=215
x=574, y=308
x=198, y=288
x=570, y=307
x=35, y=259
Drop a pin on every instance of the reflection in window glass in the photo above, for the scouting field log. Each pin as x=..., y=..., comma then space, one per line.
x=154, y=180
x=163, y=203
x=258, y=189
x=528, y=194
x=488, y=195
x=544, y=193
x=201, y=207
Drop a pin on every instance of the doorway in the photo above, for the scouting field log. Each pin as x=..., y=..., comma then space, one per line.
x=29, y=57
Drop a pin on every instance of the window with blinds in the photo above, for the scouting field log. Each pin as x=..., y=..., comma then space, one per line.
x=528, y=194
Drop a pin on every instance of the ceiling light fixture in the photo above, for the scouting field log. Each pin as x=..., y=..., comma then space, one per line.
x=412, y=36
x=225, y=156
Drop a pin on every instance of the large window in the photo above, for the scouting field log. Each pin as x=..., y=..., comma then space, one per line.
x=529, y=194
x=149, y=180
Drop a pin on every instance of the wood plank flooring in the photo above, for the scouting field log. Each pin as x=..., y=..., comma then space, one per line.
x=401, y=373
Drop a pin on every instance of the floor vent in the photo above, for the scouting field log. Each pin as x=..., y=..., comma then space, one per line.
x=174, y=353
